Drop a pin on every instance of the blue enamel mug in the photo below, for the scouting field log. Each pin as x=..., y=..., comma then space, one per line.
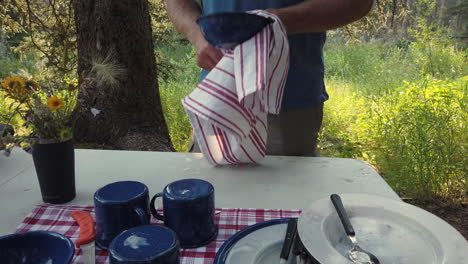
x=189, y=210
x=148, y=244
x=120, y=206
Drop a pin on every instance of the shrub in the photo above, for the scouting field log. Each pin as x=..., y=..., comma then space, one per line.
x=417, y=136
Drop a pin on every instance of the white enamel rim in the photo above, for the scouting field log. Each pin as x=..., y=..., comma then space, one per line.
x=453, y=244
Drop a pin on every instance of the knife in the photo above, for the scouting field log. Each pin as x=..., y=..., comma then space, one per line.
x=87, y=234
x=288, y=240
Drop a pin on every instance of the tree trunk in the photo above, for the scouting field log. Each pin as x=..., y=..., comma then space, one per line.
x=130, y=114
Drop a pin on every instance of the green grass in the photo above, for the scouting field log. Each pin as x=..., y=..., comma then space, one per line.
x=402, y=110
x=376, y=67
x=180, y=84
x=415, y=134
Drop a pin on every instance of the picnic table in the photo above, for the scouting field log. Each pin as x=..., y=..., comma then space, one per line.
x=277, y=183
x=279, y=187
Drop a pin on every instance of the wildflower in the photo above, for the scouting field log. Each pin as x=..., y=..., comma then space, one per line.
x=13, y=82
x=55, y=103
x=15, y=88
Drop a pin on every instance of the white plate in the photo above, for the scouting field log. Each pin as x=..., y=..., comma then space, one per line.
x=257, y=244
x=394, y=231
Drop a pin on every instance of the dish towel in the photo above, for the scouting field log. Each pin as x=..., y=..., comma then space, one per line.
x=229, y=108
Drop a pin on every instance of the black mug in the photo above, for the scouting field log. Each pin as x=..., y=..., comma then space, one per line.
x=189, y=210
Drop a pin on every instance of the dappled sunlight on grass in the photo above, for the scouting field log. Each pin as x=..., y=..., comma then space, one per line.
x=183, y=81
x=415, y=134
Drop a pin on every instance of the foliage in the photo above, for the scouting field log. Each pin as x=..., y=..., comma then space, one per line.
x=11, y=64
x=160, y=23
x=435, y=54
x=46, y=27
x=11, y=20
x=182, y=82
x=46, y=112
x=372, y=67
x=386, y=17
x=417, y=136
x=404, y=128
x=365, y=117
x=378, y=66
x=165, y=37
x=461, y=11
x=391, y=19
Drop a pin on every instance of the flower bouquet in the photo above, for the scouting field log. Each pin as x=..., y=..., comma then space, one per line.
x=43, y=126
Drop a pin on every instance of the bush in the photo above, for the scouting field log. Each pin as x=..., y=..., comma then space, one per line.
x=436, y=55
x=415, y=135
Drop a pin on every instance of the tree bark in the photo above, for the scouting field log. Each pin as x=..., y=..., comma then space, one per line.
x=130, y=114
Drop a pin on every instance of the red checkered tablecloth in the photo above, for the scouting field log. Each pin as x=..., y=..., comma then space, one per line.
x=57, y=218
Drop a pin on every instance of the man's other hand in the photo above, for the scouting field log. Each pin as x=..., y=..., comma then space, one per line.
x=207, y=55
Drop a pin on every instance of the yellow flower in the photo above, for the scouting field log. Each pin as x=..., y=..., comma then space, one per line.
x=13, y=82
x=15, y=88
x=55, y=103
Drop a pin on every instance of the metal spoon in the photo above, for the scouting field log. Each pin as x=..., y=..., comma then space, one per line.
x=357, y=255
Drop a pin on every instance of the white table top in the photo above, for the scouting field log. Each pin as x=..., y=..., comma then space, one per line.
x=277, y=183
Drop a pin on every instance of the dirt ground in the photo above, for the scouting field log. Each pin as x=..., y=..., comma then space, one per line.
x=456, y=214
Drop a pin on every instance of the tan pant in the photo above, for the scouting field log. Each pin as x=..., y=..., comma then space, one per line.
x=291, y=133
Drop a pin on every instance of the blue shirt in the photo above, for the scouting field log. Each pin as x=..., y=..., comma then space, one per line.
x=305, y=84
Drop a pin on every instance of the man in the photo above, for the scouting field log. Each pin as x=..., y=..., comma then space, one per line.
x=295, y=130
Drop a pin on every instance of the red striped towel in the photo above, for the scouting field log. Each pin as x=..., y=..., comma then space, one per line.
x=229, y=108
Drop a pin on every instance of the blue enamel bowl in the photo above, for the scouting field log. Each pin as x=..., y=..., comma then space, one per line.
x=36, y=247
x=226, y=30
x=228, y=245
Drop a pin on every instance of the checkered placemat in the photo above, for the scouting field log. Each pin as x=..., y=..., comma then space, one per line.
x=57, y=218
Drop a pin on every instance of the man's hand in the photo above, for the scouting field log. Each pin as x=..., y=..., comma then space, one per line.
x=207, y=55
x=184, y=14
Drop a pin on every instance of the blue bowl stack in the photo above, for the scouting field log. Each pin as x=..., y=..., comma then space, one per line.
x=226, y=30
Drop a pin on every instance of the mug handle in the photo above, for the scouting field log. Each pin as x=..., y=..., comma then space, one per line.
x=144, y=219
x=153, y=209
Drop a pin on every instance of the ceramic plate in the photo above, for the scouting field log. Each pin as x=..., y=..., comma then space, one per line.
x=257, y=244
x=394, y=231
